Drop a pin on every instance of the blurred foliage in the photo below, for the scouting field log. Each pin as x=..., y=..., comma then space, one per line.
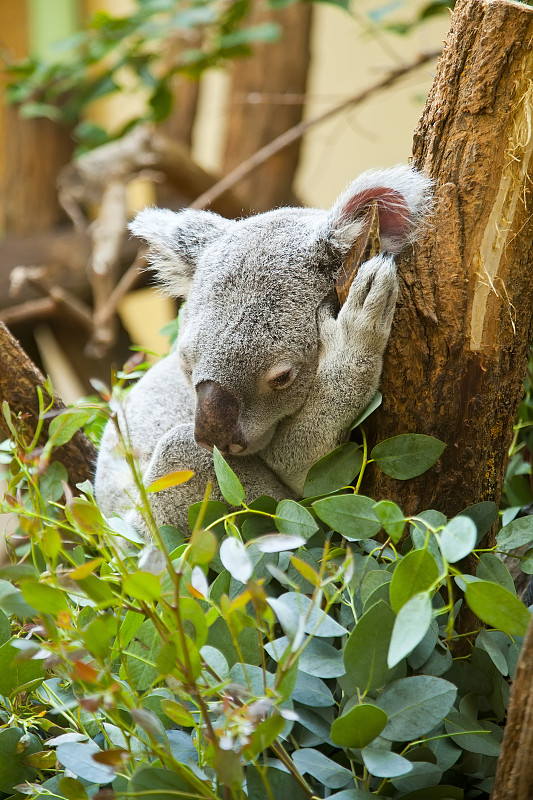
x=161, y=39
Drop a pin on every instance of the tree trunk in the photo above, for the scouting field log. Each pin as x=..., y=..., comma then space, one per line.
x=456, y=360
x=19, y=378
x=514, y=775
x=256, y=113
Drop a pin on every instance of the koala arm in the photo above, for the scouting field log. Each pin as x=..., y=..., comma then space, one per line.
x=347, y=377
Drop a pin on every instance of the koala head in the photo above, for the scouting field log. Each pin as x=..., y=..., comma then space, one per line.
x=249, y=342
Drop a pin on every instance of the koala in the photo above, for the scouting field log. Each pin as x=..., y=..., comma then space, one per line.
x=266, y=366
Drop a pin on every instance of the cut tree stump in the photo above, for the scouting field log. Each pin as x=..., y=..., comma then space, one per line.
x=458, y=351
x=19, y=378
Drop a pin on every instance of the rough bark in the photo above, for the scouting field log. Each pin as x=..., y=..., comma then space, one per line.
x=514, y=775
x=456, y=361
x=19, y=378
x=256, y=116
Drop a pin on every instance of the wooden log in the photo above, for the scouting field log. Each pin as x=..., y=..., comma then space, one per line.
x=514, y=775
x=19, y=378
x=458, y=351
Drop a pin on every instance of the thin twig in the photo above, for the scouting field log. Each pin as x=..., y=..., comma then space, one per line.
x=127, y=282
x=297, y=131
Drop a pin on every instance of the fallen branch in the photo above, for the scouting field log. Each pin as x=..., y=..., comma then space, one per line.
x=248, y=166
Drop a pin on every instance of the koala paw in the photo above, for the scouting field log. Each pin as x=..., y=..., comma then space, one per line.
x=372, y=299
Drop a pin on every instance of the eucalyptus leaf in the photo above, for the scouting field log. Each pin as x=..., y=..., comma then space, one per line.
x=410, y=627
x=319, y=658
x=293, y=519
x=235, y=558
x=324, y=769
x=457, y=539
x=415, y=705
x=517, y=533
x=78, y=758
x=365, y=654
x=351, y=515
x=407, y=455
x=230, y=485
x=384, y=763
x=334, y=471
x=359, y=726
x=497, y=607
x=415, y=573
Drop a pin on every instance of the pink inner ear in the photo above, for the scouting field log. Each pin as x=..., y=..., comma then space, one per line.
x=392, y=207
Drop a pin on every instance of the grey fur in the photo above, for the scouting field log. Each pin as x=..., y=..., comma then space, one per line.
x=260, y=302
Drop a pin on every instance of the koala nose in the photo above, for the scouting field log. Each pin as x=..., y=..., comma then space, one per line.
x=216, y=421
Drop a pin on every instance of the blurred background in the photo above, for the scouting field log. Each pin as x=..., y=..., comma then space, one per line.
x=109, y=105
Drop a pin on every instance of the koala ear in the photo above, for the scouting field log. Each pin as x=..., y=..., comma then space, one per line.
x=404, y=200
x=176, y=241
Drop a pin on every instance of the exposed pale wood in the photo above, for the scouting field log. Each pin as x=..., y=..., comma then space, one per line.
x=278, y=68
x=19, y=378
x=456, y=360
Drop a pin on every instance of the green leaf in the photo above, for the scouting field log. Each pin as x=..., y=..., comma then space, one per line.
x=45, y=599
x=14, y=747
x=497, y=607
x=63, y=427
x=311, y=691
x=492, y=568
x=162, y=784
x=487, y=641
x=264, y=735
x=229, y=484
x=315, y=763
x=526, y=563
x=85, y=515
x=277, y=542
x=319, y=658
x=385, y=764
x=5, y=628
x=410, y=627
x=282, y=784
x=457, y=539
x=415, y=573
x=415, y=705
x=517, y=533
x=372, y=581
x=377, y=399
x=334, y=471
x=408, y=455
x=391, y=517
x=365, y=653
x=359, y=726
x=72, y=789
x=470, y=735
x=483, y=515
x=294, y=519
x=142, y=586
x=351, y=515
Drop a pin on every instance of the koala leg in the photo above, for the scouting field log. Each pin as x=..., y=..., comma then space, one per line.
x=347, y=377
x=176, y=451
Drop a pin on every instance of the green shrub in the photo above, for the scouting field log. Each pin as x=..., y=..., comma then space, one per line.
x=279, y=650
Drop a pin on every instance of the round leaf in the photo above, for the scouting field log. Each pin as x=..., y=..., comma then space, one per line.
x=391, y=517
x=321, y=767
x=415, y=705
x=415, y=573
x=294, y=519
x=78, y=758
x=385, y=764
x=334, y=471
x=360, y=726
x=457, y=539
x=517, y=533
x=352, y=515
x=407, y=455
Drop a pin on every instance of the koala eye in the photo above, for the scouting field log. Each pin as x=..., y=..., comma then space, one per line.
x=281, y=377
